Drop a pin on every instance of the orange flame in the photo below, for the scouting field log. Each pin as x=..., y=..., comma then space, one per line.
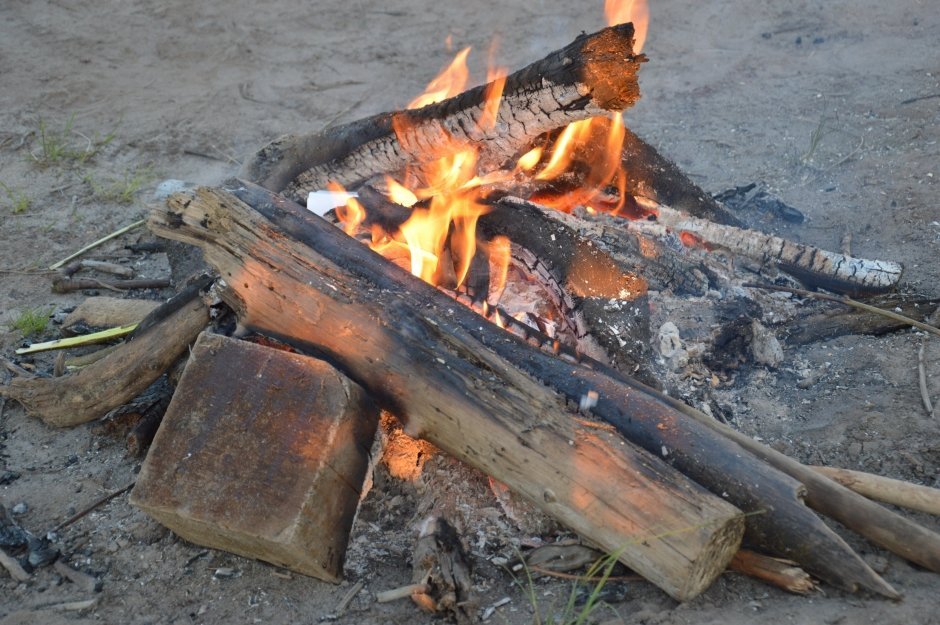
x=448, y=83
x=352, y=214
x=623, y=11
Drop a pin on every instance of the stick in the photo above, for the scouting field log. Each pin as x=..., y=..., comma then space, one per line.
x=67, y=285
x=922, y=381
x=401, y=592
x=886, y=489
x=78, y=341
x=13, y=567
x=778, y=572
x=122, y=271
x=848, y=302
x=829, y=270
x=91, y=508
x=83, y=580
x=95, y=244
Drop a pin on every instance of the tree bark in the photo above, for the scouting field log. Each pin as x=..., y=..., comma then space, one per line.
x=458, y=381
x=594, y=75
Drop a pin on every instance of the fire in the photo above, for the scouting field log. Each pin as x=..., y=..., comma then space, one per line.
x=623, y=11
x=448, y=83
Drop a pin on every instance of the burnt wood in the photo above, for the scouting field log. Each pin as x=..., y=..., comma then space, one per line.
x=594, y=75
x=291, y=274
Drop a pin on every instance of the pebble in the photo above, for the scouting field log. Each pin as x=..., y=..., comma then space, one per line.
x=20, y=508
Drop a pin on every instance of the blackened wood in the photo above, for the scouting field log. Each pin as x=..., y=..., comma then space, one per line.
x=833, y=323
x=388, y=329
x=439, y=367
x=594, y=75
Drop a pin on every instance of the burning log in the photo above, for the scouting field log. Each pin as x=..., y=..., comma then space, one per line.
x=435, y=364
x=289, y=274
x=829, y=270
x=122, y=374
x=594, y=75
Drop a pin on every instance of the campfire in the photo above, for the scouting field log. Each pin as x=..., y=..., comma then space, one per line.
x=478, y=266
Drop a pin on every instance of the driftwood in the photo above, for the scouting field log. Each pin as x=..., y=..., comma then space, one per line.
x=121, y=375
x=436, y=365
x=594, y=75
x=886, y=489
x=290, y=274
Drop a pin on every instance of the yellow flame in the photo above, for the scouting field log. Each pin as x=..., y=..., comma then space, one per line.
x=451, y=81
x=623, y=11
x=351, y=214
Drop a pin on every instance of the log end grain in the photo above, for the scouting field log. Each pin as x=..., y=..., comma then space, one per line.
x=261, y=453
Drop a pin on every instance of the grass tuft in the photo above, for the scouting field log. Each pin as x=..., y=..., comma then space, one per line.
x=67, y=145
x=32, y=322
x=19, y=201
x=121, y=190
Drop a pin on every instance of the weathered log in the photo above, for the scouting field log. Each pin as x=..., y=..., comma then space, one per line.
x=432, y=363
x=886, y=489
x=594, y=75
x=290, y=274
x=118, y=377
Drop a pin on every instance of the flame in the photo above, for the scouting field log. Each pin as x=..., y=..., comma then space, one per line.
x=636, y=11
x=451, y=81
x=352, y=214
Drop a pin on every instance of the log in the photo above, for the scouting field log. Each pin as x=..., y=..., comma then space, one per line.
x=816, y=267
x=886, y=489
x=833, y=323
x=783, y=574
x=99, y=313
x=121, y=375
x=594, y=75
x=290, y=274
x=262, y=453
x=423, y=357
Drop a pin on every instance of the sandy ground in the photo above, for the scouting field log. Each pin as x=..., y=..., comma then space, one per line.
x=835, y=106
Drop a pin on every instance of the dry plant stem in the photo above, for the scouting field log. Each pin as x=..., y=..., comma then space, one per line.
x=886, y=489
x=95, y=244
x=402, y=592
x=121, y=375
x=78, y=341
x=829, y=270
x=594, y=75
x=783, y=574
x=848, y=302
x=13, y=567
x=376, y=321
x=922, y=381
x=78, y=515
x=419, y=353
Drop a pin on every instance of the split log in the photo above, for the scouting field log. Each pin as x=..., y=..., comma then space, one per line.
x=290, y=274
x=594, y=75
x=886, y=489
x=781, y=573
x=99, y=313
x=433, y=363
x=121, y=375
x=818, y=268
x=262, y=453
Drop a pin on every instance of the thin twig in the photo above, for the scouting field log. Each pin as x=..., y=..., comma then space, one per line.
x=348, y=597
x=95, y=244
x=922, y=380
x=78, y=341
x=92, y=507
x=401, y=592
x=584, y=578
x=848, y=302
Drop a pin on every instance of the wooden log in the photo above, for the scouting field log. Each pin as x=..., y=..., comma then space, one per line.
x=886, y=489
x=262, y=453
x=67, y=285
x=121, y=375
x=418, y=352
x=592, y=76
x=816, y=267
x=425, y=359
x=833, y=323
x=99, y=313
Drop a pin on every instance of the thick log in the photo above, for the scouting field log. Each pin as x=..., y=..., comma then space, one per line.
x=411, y=346
x=594, y=75
x=121, y=375
x=833, y=323
x=425, y=359
x=262, y=453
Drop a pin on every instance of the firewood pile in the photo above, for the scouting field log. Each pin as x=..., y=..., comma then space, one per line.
x=263, y=451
